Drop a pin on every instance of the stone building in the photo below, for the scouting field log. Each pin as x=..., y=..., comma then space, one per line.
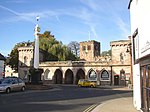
x=26, y=55
x=89, y=50
x=107, y=70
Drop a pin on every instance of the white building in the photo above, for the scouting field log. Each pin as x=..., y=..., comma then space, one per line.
x=2, y=60
x=10, y=72
x=140, y=32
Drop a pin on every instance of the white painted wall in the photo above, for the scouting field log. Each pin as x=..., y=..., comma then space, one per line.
x=144, y=26
x=10, y=72
x=140, y=18
x=136, y=87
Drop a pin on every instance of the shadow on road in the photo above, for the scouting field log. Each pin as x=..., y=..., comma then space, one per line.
x=60, y=98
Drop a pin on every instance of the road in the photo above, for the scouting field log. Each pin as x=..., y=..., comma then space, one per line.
x=62, y=98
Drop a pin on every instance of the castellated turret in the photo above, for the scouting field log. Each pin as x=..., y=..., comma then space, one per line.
x=118, y=52
x=89, y=50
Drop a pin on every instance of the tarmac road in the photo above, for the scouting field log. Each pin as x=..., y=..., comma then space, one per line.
x=62, y=98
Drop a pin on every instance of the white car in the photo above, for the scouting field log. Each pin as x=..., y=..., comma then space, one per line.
x=12, y=84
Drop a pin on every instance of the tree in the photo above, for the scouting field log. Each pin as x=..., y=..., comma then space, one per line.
x=106, y=53
x=55, y=50
x=74, y=47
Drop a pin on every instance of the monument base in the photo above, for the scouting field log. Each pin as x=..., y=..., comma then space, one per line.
x=36, y=75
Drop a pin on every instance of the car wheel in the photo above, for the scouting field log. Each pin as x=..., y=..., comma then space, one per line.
x=23, y=88
x=8, y=90
x=79, y=85
x=91, y=86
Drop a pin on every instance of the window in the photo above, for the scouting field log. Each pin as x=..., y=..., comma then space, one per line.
x=15, y=81
x=25, y=60
x=122, y=74
x=121, y=58
x=135, y=46
x=92, y=75
x=20, y=81
x=105, y=75
x=89, y=47
x=96, y=47
x=83, y=48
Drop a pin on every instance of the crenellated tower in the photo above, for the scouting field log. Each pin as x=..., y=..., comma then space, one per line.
x=89, y=50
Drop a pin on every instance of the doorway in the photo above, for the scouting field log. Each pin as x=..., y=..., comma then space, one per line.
x=116, y=80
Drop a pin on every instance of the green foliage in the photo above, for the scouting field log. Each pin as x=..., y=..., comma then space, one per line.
x=55, y=50
x=106, y=53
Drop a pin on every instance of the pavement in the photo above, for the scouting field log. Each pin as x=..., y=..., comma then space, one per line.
x=124, y=104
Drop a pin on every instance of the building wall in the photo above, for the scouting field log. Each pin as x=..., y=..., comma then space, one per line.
x=119, y=54
x=140, y=22
x=92, y=61
x=26, y=56
x=89, y=50
x=10, y=72
x=136, y=73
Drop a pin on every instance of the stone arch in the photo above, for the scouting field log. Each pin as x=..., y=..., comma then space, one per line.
x=47, y=75
x=104, y=75
x=69, y=77
x=122, y=74
x=80, y=75
x=58, y=77
x=92, y=76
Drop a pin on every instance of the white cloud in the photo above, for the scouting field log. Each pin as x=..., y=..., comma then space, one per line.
x=123, y=27
x=29, y=16
x=92, y=4
x=9, y=10
x=94, y=32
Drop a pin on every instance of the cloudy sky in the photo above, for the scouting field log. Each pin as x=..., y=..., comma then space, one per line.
x=68, y=20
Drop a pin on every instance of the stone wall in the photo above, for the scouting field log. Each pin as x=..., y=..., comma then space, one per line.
x=89, y=50
x=117, y=65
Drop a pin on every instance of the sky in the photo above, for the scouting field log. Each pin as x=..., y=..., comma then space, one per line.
x=67, y=20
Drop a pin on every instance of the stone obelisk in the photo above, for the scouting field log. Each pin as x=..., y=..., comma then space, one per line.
x=36, y=48
x=36, y=72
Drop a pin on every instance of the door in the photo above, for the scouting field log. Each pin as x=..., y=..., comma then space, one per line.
x=116, y=80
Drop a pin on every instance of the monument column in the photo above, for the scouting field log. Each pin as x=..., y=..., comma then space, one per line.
x=36, y=47
x=36, y=72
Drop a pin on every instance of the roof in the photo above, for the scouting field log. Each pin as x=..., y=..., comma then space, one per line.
x=2, y=57
x=129, y=4
x=120, y=41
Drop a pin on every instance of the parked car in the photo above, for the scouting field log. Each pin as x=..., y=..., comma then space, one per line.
x=1, y=80
x=86, y=83
x=12, y=84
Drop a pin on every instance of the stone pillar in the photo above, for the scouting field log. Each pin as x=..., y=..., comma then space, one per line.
x=36, y=48
x=36, y=72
